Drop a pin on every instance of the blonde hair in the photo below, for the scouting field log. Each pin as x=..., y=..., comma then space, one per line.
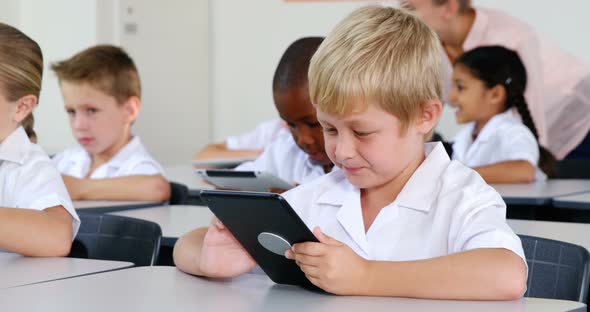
x=105, y=67
x=21, y=69
x=379, y=55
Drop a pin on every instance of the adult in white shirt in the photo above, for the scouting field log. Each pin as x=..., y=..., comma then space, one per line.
x=36, y=215
x=558, y=90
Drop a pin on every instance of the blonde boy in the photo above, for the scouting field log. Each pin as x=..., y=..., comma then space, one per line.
x=101, y=92
x=399, y=218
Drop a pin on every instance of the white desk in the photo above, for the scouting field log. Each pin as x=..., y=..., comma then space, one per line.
x=576, y=201
x=541, y=192
x=185, y=174
x=16, y=270
x=103, y=206
x=166, y=288
x=574, y=233
x=174, y=220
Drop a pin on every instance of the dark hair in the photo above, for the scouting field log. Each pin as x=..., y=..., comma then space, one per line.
x=21, y=70
x=496, y=65
x=294, y=64
x=105, y=67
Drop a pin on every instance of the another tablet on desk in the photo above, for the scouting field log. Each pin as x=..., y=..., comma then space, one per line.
x=266, y=226
x=255, y=181
x=222, y=162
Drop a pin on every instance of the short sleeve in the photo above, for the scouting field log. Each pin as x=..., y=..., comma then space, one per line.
x=40, y=186
x=480, y=222
x=145, y=167
x=256, y=139
x=519, y=144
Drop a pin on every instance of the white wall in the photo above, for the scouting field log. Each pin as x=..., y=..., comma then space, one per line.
x=75, y=30
x=247, y=40
x=170, y=49
x=248, y=37
x=222, y=55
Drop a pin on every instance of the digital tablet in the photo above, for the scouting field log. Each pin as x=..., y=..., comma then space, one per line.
x=222, y=162
x=266, y=226
x=254, y=181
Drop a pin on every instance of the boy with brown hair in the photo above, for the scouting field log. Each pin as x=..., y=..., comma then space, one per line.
x=101, y=91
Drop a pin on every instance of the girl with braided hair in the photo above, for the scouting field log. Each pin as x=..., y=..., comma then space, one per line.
x=500, y=140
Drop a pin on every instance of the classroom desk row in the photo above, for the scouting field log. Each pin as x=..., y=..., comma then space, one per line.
x=177, y=220
x=555, y=191
x=166, y=288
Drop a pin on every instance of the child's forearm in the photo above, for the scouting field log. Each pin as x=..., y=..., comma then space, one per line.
x=220, y=150
x=187, y=251
x=480, y=274
x=36, y=233
x=139, y=187
x=516, y=171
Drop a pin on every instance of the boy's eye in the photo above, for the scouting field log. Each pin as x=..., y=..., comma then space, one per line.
x=92, y=110
x=330, y=131
x=71, y=112
x=361, y=133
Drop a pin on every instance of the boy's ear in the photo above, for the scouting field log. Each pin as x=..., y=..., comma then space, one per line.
x=132, y=106
x=24, y=106
x=429, y=117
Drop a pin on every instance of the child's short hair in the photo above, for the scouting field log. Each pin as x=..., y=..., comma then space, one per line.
x=294, y=64
x=105, y=67
x=379, y=55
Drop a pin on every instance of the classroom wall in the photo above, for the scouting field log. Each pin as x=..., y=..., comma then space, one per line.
x=75, y=30
x=170, y=48
x=248, y=37
x=224, y=52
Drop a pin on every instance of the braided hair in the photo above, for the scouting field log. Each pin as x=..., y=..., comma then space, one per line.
x=496, y=65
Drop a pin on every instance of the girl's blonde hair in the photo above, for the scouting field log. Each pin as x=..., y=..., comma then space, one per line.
x=21, y=69
x=379, y=55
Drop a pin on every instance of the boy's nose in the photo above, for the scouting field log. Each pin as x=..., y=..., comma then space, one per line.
x=344, y=148
x=79, y=122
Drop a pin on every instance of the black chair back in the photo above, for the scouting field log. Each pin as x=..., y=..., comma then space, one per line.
x=118, y=238
x=178, y=194
x=557, y=270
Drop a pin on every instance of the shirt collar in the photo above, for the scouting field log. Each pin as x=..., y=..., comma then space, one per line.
x=125, y=152
x=83, y=158
x=14, y=148
x=478, y=30
x=417, y=194
x=489, y=130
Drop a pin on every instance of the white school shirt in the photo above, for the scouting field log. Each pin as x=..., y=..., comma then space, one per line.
x=132, y=159
x=558, y=84
x=29, y=180
x=503, y=138
x=259, y=137
x=284, y=159
x=444, y=208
